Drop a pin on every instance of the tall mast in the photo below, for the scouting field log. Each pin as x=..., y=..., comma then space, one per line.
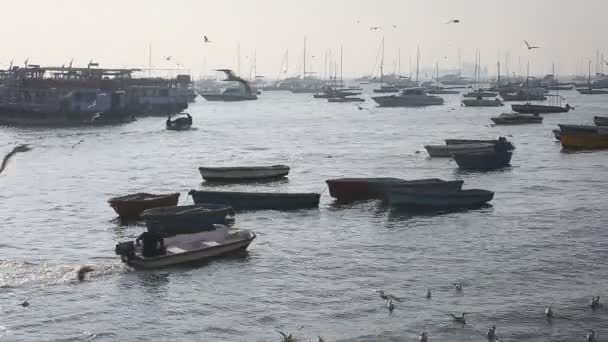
x=304, y=62
x=341, y=60
x=238, y=59
x=498, y=72
x=437, y=71
x=399, y=60
x=286, y=62
x=527, y=73
x=476, y=63
x=382, y=64
x=417, y=63
x=459, y=65
x=150, y=60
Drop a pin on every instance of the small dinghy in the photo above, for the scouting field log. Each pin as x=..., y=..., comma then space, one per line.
x=439, y=199
x=529, y=108
x=482, y=161
x=188, y=248
x=131, y=206
x=516, y=119
x=345, y=99
x=258, y=200
x=355, y=189
x=179, y=124
x=243, y=173
x=186, y=219
x=445, y=151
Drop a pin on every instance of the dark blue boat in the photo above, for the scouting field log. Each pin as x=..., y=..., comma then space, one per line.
x=258, y=200
x=187, y=219
x=483, y=161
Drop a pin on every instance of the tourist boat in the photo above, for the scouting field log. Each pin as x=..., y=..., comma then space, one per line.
x=482, y=161
x=583, y=136
x=471, y=198
x=354, y=189
x=179, y=124
x=480, y=93
x=242, y=93
x=131, y=206
x=412, y=97
x=600, y=120
x=529, y=108
x=258, y=200
x=243, y=173
x=345, y=99
x=479, y=102
x=186, y=219
x=445, y=151
x=557, y=134
x=516, y=119
x=188, y=248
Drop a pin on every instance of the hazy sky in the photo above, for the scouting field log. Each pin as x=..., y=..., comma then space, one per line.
x=116, y=33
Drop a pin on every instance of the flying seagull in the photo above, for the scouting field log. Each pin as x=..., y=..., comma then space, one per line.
x=387, y=296
x=530, y=47
x=168, y=58
x=17, y=149
x=374, y=28
x=453, y=21
x=206, y=40
x=394, y=26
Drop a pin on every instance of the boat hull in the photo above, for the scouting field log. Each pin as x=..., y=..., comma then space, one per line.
x=482, y=161
x=538, y=109
x=186, y=219
x=228, y=98
x=482, y=103
x=345, y=99
x=517, y=119
x=408, y=101
x=439, y=200
x=356, y=189
x=131, y=207
x=258, y=200
x=583, y=137
x=600, y=120
x=243, y=173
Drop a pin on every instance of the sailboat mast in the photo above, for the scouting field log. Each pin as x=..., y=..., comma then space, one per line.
x=498, y=73
x=459, y=65
x=304, y=61
x=399, y=60
x=382, y=64
x=417, y=63
x=238, y=59
x=437, y=71
x=149, y=61
x=341, y=60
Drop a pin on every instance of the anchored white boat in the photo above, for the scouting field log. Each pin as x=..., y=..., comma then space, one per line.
x=243, y=173
x=188, y=248
x=412, y=97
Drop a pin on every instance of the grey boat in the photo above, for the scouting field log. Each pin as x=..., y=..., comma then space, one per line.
x=258, y=200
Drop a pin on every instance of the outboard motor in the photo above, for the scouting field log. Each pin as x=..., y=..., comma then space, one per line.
x=126, y=250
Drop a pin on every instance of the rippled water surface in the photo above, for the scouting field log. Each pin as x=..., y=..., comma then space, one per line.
x=543, y=241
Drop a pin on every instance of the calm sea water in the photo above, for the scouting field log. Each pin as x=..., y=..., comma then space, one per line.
x=543, y=241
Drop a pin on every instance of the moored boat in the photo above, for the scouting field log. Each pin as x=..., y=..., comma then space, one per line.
x=587, y=91
x=188, y=248
x=243, y=173
x=445, y=151
x=600, y=120
x=583, y=137
x=242, y=93
x=258, y=200
x=471, y=198
x=186, y=219
x=131, y=206
x=353, y=189
x=479, y=102
x=516, y=119
x=412, y=97
x=345, y=99
x=482, y=94
x=482, y=161
x=529, y=108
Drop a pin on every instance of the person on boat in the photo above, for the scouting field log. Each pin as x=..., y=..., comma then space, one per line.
x=168, y=120
x=189, y=118
x=153, y=244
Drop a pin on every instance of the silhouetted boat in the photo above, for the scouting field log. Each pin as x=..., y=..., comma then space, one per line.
x=258, y=200
x=445, y=151
x=243, y=173
x=600, y=120
x=583, y=136
x=179, y=124
x=412, y=97
x=186, y=219
x=188, y=248
x=529, y=108
x=345, y=99
x=471, y=198
x=242, y=93
x=482, y=94
x=482, y=103
x=353, y=189
x=131, y=206
x=516, y=119
x=482, y=161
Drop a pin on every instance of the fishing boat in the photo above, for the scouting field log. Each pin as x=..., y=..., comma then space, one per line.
x=186, y=219
x=411, y=97
x=600, y=120
x=445, y=151
x=529, y=108
x=179, y=124
x=516, y=119
x=188, y=248
x=471, y=198
x=258, y=200
x=131, y=206
x=345, y=99
x=583, y=136
x=242, y=93
x=482, y=161
x=480, y=102
x=354, y=189
x=243, y=173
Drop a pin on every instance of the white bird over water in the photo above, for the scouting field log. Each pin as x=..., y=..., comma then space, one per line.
x=387, y=296
x=427, y=293
x=459, y=319
x=590, y=336
x=549, y=312
x=595, y=302
x=423, y=337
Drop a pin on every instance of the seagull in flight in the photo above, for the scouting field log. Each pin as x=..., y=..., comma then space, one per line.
x=206, y=40
x=387, y=297
x=453, y=21
x=17, y=149
x=395, y=26
x=373, y=28
x=168, y=58
x=530, y=47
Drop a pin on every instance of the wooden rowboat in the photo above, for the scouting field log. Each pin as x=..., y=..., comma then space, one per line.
x=186, y=219
x=131, y=206
x=583, y=137
x=482, y=161
x=354, y=189
x=439, y=200
x=258, y=200
x=243, y=173
x=516, y=119
x=188, y=248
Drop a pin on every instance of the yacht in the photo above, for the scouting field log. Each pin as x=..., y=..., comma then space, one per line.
x=243, y=92
x=411, y=97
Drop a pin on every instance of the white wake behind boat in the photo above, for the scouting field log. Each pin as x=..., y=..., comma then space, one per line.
x=188, y=248
x=243, y=173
